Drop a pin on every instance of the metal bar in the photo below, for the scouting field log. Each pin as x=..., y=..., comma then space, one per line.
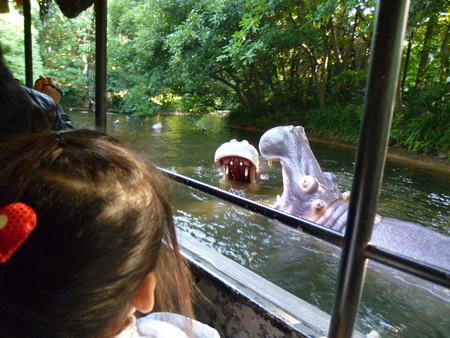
x=28, y=43
x=100, y=7
x=384, y=66
x=427, y=272
x=311, y=228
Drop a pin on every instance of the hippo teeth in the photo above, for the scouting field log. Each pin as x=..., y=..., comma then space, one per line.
x=246, y=172
x=227, y=170
x=269, y=163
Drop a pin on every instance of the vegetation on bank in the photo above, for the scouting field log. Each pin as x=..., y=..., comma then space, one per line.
x=268, y=62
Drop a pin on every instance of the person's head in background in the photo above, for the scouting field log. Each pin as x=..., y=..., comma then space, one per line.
x=104, y=235
x=19, y=114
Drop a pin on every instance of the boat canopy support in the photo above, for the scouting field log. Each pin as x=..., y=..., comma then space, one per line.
x=383, y=75
x=100, y=8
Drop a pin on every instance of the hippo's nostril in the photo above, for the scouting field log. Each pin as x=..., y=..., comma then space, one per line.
x=318, y=205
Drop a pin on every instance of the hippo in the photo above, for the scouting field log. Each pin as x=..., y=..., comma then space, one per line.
x=312, y=194
x=239, y=161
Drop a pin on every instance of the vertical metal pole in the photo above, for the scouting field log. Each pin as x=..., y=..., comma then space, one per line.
x=100, y=7
x=389, y=30
x=28, y=43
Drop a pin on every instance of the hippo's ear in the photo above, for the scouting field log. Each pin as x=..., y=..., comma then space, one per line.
x=330, y=177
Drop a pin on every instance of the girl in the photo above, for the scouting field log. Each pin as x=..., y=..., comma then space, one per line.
x=87, y=239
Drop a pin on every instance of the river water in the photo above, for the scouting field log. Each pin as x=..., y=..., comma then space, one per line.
x=394, y=304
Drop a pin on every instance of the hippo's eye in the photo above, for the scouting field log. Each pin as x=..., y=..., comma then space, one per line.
x=309, y=183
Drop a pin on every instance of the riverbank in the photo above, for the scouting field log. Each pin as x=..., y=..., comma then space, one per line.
x=396, y=155
x=400, y=155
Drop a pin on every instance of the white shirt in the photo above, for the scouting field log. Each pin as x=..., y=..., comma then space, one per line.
x=166, y=325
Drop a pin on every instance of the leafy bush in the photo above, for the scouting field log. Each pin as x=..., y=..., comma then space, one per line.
x=426, y=126
x=337, y=122
x=137, y=100
x=429, y=133
x=198, y=104
x=348, y=86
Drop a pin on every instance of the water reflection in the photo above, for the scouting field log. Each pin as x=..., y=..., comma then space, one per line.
x=393, y=303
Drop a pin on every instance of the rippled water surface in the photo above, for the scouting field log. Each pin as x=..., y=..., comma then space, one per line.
x=394, y=304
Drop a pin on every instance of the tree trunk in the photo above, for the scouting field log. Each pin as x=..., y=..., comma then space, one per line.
x=335, y=47
x=398, y=105
x=445, y=64
x=349, y=50
x=425, y=53
x=408, y=56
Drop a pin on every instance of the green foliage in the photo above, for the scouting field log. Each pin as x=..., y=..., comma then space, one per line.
x=348, y=86
x=338, y=122
x=196, y=104
x=12, y=43
x=134, y=101
x=67, y=49
x=425, y=123
x=429, y=133
x=268, y=62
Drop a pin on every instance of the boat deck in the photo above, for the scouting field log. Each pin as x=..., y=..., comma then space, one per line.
x=240, y=303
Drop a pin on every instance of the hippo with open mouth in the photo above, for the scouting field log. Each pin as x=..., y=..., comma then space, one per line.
x=314, y=195
x=239, y=160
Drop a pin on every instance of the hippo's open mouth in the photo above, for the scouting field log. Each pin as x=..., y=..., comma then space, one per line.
x=238, y=160
x=237, y=168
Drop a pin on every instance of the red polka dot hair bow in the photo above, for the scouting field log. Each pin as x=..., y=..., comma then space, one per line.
x=17, y=221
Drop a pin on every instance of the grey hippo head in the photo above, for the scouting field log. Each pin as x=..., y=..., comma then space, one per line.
x=307, y=191
x=314, y=195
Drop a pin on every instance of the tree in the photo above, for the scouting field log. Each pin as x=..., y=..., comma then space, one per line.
x=68, y=52
x=260, y=51
x=278, y=61
x=12, y=43
x=428, y=41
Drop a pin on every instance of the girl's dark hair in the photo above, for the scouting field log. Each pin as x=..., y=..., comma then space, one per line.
x=104, y=222
x=19, y=114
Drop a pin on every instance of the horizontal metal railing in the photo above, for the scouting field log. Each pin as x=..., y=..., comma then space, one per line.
x=427, y=272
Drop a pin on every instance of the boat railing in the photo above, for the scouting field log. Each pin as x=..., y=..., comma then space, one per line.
x=422, y=270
